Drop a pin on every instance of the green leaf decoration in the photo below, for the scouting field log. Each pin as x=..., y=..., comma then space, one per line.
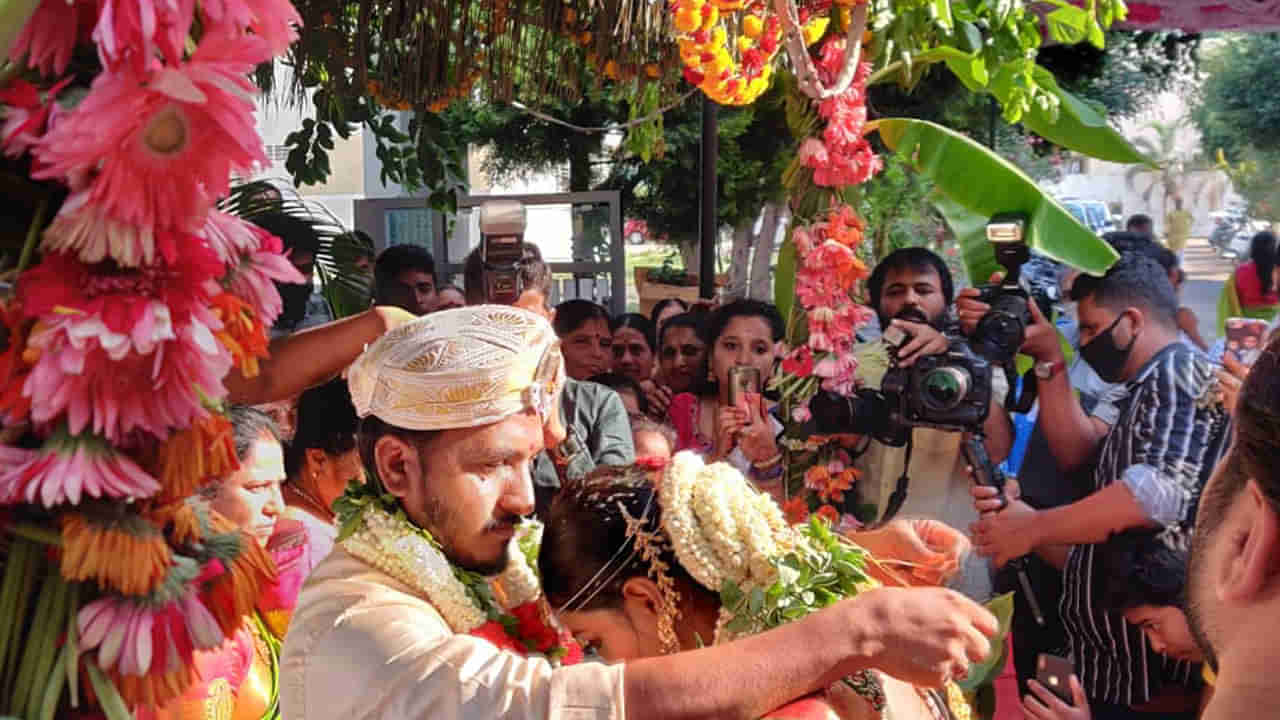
x=952, y=161
x=986, y=672
x=1077, y=125
x=784, y=281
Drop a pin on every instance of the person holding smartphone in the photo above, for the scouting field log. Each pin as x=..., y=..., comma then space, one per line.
x=741, y=340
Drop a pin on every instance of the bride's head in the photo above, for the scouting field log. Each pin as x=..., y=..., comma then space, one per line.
x=636, y=571
x=599, y=580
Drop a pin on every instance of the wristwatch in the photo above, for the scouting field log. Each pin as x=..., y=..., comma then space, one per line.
x=1046, y=370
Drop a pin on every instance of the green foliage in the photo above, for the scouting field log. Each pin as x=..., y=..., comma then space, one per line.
x=985, y=672
x=1126, y=76
x=815, y=575
x=952, y=161
x=1237, y=115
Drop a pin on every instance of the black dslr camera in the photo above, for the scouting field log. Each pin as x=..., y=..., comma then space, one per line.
x=502, y=225
x=1002, y=330
x=948, y=391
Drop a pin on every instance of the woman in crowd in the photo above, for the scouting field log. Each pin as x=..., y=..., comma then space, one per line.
x=744, y=332
x=666, y=309
x=240, y=679
x=1255, y=279
x=637, y=571
x=585, y=338
x=628, y=390
x=633, y=346
x=681, y=351
x=321, y=460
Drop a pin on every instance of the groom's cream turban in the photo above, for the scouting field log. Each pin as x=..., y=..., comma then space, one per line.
x=459, y=368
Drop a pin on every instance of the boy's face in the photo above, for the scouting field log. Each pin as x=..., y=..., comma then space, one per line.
x=1167, y=630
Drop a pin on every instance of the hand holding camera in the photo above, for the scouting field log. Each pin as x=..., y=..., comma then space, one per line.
x=924, y=340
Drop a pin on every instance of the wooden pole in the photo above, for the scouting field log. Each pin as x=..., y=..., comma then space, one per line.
x=709, y=225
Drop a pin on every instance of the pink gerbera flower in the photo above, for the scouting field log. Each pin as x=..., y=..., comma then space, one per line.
x=51, y=35
x=88, y=231
x=26, y=114
x=142, y=32
x=161, y=147
x=70, y=467
x=155, y=392
x=137, y=638
x=123, y=297
x=275, y=21
x=229, y=237
x=253, y=280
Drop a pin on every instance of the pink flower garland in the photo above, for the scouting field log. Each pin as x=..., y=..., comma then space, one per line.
x=842, y=156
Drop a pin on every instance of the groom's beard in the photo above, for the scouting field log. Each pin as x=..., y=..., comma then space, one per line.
x=443, y=527
x=1191, y=605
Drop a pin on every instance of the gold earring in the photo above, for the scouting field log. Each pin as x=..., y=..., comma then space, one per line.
x=667, y=638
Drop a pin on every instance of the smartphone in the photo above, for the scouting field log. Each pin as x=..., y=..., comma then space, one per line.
x=743, y=379
x=1054, y=673
x=1245, y=338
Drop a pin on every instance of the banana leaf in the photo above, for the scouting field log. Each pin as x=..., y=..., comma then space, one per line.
x=975, y=184
x=1080, y=126
x=985, y=672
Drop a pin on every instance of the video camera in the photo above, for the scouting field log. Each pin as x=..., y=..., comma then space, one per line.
x=502, y=224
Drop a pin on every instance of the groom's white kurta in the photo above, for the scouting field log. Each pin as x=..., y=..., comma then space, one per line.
x=362, y=645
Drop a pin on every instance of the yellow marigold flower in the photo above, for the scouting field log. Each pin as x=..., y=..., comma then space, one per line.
x=687, y=20
x=744, y=43
x=710, y=18
x=719, y=37
x=752, y=26
x=816, y=28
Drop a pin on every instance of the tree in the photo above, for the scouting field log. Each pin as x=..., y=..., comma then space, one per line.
x=1173, y=177
x=1237, y=115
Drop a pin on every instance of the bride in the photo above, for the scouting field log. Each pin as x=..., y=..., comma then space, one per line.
x=639, y=563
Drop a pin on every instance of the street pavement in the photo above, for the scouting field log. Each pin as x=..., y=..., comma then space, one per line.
x=1206, y=272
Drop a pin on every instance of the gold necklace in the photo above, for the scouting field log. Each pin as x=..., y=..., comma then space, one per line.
x=301, y=493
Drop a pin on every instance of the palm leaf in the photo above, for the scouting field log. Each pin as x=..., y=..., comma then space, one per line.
x=346, y=287
x=952, y=161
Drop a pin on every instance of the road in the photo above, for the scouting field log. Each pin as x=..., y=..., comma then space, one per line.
x=1205, y=274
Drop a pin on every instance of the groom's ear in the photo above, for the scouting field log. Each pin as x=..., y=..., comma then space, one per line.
x=397, y=462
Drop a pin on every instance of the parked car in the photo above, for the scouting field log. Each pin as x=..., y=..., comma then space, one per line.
x=1093, y=214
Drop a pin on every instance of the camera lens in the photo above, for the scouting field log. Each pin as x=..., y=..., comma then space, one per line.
x=944, y=388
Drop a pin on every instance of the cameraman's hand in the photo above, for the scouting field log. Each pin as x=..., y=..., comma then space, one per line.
x=969, y=309
x=1007, y=534
x=925, y=340
x=1042, y=340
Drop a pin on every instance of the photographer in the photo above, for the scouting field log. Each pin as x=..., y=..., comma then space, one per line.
x=593, y=427
x=1153, y=463
x=912, y=289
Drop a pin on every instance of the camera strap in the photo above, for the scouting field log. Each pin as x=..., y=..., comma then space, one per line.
x=899, y=495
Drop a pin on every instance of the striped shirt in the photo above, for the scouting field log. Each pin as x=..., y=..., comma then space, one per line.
x=1163, y=447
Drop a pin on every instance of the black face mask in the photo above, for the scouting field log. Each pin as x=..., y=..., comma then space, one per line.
x=1105, y=356
x=295, y=297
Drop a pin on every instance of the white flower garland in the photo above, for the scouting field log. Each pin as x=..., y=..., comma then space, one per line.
x=406, y=553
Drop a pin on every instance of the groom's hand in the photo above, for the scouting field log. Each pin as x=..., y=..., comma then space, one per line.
x=923, y=636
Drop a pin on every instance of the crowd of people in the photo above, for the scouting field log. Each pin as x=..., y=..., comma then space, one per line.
x=401, y=446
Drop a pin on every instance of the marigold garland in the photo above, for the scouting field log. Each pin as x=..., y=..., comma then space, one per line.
x=191, y=457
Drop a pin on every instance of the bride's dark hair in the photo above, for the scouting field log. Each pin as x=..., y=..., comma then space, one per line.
x=587, y=553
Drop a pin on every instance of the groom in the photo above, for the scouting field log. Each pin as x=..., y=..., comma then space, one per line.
x=454, y=406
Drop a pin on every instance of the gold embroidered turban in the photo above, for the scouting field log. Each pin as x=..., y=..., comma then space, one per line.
x=459, y=368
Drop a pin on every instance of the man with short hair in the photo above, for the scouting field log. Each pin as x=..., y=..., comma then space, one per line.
x=302, y=307
x=533, y=275
x=1141, y=224
x=396, y=623
x=405, y=276
x=911, y=289
x=1153, y=462
x=1234, y=576
x=592, y=427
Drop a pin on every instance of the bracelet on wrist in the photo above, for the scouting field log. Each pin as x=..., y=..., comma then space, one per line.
x=766, y=464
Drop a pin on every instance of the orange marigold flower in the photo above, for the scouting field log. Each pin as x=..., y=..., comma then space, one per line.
x=796, y=510
x=830, y=514
x=242, y=332
x=122, y=551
